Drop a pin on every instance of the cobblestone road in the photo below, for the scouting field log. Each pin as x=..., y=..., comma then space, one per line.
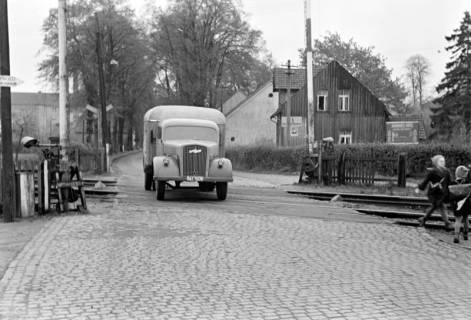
x=135, y=258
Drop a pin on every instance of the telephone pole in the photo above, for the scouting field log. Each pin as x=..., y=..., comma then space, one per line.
x=289, y=73
x=309, y=79
x=102, y=119
x=63, y=79
x=8, y=168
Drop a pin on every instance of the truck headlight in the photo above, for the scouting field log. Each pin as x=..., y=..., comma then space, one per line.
x=166, y=162
x=220, y=163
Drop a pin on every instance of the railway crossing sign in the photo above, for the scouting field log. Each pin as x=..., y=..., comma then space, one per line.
x=95, y=110
x=91, y=108
x=9, y=81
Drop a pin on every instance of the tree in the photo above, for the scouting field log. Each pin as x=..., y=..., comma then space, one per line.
x=455, y=87
x=206, y=48
x=418, y=68
x=128, y=71
x=369, y=68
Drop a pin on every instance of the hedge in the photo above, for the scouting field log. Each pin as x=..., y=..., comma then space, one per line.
x=269, y=158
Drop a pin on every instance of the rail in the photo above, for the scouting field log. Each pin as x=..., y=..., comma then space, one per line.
x=389, y=206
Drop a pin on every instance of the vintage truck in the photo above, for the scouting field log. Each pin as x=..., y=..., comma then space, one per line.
x=185, y=144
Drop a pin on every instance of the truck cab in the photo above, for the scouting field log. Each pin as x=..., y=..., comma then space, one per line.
x=185, y=144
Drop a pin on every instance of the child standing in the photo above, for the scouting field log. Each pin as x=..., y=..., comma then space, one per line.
x=461, y=204
x=436, y=182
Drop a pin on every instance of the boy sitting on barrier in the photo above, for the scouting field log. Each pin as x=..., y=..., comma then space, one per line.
x=460, y=197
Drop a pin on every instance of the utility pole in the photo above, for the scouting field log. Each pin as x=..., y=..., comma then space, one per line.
x=102, y=121
x=309, y=79
x=8, y=168
x=63, y=79
x=288, y=106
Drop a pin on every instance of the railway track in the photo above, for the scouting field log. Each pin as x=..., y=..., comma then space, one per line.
x=403, y=210
x=402, y=202
x=109, y=190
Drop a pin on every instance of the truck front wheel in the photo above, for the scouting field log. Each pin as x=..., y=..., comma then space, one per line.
x=161, y=190
x=148, y=180
x=221, y=190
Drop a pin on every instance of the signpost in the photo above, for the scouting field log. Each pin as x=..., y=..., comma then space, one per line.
x=91, y=108
x=402, y=132
x=100, y=128
x=9, y=81
x=295, y=121
x=8, y=168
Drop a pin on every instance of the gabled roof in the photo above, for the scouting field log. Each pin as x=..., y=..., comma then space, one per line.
x=385, y=108
x=298, y=78
x=233, y=102
x=281, y=79
x=34, y=99
x=269, y=83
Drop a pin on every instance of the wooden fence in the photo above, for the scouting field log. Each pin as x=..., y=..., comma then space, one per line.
x=86, y=161
x=29, y=173
x=353, y=169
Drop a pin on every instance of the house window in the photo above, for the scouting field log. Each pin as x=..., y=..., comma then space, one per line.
x=345, y=138
x=344, y=102
x=322, y=101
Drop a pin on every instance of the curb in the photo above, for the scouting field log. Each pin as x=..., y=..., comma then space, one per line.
x=117, y=156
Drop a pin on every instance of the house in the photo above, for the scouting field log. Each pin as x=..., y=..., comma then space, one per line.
x=248, y=123
x=233, y=102
x=35, y=114
x=344, y=108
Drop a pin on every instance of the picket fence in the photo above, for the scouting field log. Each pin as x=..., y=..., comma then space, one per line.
x=354, y=169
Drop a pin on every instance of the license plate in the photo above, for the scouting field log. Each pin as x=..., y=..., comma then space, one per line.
x=194, y=178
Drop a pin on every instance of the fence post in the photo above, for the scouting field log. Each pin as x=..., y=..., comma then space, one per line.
x=401, y=170
x=25, y=189
x=46, y=186
x=40, y=184
x=341, y=169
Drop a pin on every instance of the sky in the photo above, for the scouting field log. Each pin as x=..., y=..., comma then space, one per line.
x=397, y=29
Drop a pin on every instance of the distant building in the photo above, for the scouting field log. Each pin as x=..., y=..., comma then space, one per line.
x=233, y=102
x=35, y=114
x=248, y=123
x=344, y=108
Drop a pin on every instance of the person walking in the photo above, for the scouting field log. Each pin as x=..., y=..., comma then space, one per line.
x=436, y=185
x=461, y=204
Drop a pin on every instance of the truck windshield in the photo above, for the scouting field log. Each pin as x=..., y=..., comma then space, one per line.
x=190, y=133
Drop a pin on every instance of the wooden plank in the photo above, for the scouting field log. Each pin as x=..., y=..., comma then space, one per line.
x=26, y=187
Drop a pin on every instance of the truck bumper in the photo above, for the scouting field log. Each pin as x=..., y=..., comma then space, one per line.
x=220, y=170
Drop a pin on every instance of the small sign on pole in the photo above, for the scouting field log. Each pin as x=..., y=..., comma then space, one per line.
x=294, y=131
x=402, y=132
x=9, y=81
x=295, y=121
x=91, y=108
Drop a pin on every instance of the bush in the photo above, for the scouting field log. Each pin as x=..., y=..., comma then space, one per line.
x=267, y=158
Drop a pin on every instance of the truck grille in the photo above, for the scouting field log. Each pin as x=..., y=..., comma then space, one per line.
x=194, y=160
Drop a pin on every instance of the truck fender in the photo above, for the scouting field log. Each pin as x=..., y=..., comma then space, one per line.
x=165, y=168
x=220, y=168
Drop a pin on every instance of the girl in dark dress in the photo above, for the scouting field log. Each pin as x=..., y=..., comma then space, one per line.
x=436, y=182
